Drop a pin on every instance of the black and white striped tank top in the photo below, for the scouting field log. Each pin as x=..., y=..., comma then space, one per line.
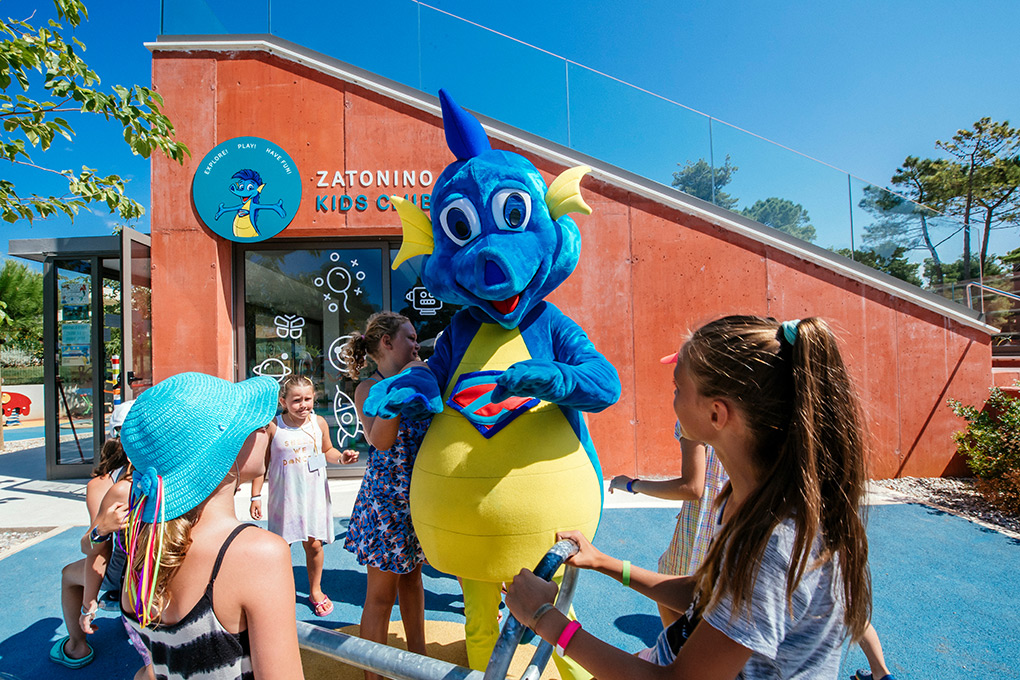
x=197, y=646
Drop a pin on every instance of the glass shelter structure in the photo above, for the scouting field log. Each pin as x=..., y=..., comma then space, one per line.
x=97, y=337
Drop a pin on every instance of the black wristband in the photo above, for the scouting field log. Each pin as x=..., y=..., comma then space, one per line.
x=95, y=537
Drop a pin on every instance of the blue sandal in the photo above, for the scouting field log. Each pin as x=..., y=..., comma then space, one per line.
x=58, y=655
x=865, y=675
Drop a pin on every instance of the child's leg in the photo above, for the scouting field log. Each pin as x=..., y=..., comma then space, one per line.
x=72, y=588
x=380, y=595
x=411, y=594
x=314, y=558
x=872, y=648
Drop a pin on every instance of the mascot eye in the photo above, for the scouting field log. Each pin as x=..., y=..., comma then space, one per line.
x=511, y=208
x=460, y=221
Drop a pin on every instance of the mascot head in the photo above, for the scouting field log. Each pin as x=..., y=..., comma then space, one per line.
x=499, y=240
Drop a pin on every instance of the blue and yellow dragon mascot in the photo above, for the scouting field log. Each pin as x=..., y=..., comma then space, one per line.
x=507, y=461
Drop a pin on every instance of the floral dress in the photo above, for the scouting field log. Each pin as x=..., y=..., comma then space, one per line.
x=380, y=533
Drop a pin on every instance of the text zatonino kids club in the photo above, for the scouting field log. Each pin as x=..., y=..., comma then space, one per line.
x=385, y=182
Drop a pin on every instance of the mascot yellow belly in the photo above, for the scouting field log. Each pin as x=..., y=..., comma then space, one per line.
x=485, y=508
x=243, y=226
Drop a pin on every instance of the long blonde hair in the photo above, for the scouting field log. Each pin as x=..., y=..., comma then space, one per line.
x=800, y=406
x=155, y=553
x=360, y=347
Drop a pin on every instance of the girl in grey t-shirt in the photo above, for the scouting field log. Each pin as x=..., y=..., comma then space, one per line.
x=786, y=579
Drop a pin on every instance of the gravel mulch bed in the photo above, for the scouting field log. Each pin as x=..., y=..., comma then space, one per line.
x=9, y=540
x=956, y=494
x=22, y=444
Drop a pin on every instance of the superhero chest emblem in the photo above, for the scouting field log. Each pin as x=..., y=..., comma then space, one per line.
x=471, y=398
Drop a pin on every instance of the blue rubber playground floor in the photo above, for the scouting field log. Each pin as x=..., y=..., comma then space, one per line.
x=947, y=599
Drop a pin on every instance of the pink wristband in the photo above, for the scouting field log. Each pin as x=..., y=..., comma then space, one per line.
x=566, y=636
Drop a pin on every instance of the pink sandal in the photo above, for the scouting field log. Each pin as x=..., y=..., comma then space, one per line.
x=323, y=608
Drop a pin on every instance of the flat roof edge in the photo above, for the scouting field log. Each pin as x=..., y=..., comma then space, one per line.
x=605, y=172
x=38, y=249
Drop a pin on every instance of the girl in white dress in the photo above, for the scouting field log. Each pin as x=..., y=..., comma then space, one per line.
x=299, y=503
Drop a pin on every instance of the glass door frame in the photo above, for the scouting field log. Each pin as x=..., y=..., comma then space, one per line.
x=51, y=304
x=388, y=245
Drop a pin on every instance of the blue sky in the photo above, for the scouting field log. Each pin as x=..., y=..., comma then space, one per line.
x=859, y=85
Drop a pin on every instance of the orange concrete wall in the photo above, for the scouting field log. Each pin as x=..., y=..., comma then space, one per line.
x=648, y=273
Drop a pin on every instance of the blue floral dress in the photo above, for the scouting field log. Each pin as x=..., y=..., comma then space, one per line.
x=380, y=533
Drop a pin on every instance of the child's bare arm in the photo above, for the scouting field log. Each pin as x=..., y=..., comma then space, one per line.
x=675, y=592
x=707, y=654
x=690, y=486
x=255, y=509
x=380, y=432
x=111, y=516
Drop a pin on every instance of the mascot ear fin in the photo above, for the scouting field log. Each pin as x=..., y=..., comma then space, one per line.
x=464, y=134
x=564, y=195
x=417, y=231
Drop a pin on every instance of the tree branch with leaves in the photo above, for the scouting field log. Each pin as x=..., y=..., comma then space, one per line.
x=68, y=86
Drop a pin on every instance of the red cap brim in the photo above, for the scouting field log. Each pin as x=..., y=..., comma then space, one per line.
x=669, y=359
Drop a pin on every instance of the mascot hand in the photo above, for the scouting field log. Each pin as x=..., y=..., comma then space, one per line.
x=413, y=393
x=533, y=378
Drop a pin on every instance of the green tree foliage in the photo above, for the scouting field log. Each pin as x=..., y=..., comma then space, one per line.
x=700, y=180
x=991, y=446
x=955, y=272
x=983, y=179
x=21, y=323
x=784, y=215
x=895, y=263
x=68, y=86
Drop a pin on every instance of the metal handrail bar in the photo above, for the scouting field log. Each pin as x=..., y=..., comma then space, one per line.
x=990, y=289
x=399, y=664
x=545, y=649
x=378, y=658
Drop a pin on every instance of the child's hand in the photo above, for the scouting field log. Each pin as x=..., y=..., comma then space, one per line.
x=587, y=556
x=619, y=482
x=348, y=456
x=113, y=520
x=256, y=509
x=526, y=594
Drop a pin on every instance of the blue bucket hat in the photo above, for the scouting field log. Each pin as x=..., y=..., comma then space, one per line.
x=187, y=431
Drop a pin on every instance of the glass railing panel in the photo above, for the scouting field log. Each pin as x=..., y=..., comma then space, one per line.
x=211, y=17
x=902, y=238
x=915, y=243
x=639, y=132
x=782, y=189
x=494, y=76
x=522, y=86
x=381, y=37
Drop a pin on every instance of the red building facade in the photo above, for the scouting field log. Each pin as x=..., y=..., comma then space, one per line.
x=654, y=264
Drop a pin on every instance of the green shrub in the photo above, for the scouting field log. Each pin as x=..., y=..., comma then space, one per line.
x=991, y=447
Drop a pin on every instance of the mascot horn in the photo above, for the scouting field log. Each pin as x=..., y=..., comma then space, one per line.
x=507, y=461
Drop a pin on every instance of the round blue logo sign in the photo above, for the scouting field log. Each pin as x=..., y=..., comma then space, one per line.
x=247, y=189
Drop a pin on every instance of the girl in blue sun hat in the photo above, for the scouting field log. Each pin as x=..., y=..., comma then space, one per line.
x=189, y=591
